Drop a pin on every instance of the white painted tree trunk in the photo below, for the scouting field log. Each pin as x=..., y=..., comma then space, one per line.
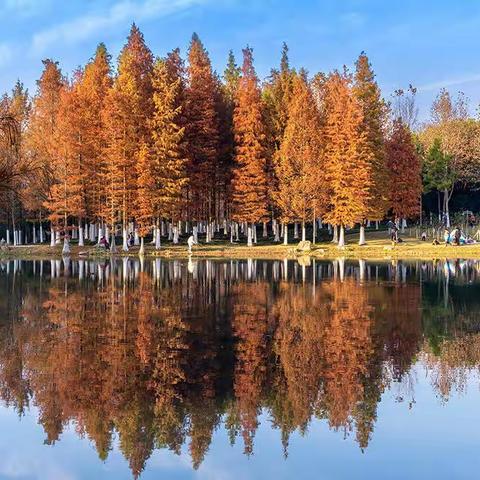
x=335, y=234
x=57, y=238
x=341, y=239
x=254, y=233
x=100, y=234
x=158, y=239
x=232, y=228
x=81, y=243
x=154, y=239
x=42, y=238
x=136, y=239
x=141, y=252
x=107, y=233
x=377, y=224
x=8, y=236
x=277, y=232
x=362, y=241
x=404, y=225
x=66, y=246
x=52, y=235
x=170, y=231
x=265, y=230
x=162, y=228
x=15, y=238
x=195, y=234
x=295, y=231
x=304, y=233
x=113, y=246
x=285, y=233
x=237, y=231
x=368, y=223
x=34, y=235
x=175, y=235
x=124, y=240
x=249, y=236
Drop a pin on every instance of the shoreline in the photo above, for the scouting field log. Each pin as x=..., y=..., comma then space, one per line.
x=376, y=249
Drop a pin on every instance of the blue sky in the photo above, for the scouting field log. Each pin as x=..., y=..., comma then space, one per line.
x=429, y=43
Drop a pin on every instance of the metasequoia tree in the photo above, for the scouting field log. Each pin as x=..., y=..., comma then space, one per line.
x=366, y=90
x=249, y=181
x=298, y=164
x=348, y=160
x=66, y=198
x=128, y=108
x=92, y=91
x=167, y=140
x=202, y=134
x=277, y=93
x=225, y=101
x=405, y=171
x=42, y=131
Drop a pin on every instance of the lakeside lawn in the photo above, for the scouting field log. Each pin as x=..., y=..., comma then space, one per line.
x=377, y=247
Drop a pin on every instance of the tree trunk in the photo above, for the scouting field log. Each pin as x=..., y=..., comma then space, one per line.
x=175, y=234
x=158, y=237
x=362, y=241
x=52, y=235
x=100, y=234
x=80, y=234
x=113, y=247
x=304, y=233
x=66, y=246
x=34, y=235
x=8, y=236
x=285, y=233
x=41, y=233
x=295, y=231
x=254, y=228
x=136, y=239
x=265, y=230
x=249, y=236
x=446, y=196
x=124, y=239
x=335, y=234
x=141, y=252
x=277, y=232
x=341, y=240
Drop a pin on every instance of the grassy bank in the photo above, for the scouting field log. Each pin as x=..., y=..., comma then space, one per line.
x=378, y=247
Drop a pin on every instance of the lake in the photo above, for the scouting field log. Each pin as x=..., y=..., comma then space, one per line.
x=239, y=369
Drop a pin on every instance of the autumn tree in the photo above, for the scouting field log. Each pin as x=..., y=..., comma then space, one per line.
x=92, y=91
x=249, y=177
x=348, y=158
x=42, y=131
x=277, y=93
x=298, y=165
x=405, y=171
x=167, y=140
x=66, y=198
x=366, y=90
x=128, y=108
x=226, y=94
x=202, y=135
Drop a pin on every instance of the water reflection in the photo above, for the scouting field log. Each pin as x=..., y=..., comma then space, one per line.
x=163, y=353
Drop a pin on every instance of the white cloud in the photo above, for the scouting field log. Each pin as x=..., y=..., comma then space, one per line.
x=84, y=26
x=452, y=82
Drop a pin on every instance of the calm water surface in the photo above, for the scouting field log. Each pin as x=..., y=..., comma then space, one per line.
x=239, y=370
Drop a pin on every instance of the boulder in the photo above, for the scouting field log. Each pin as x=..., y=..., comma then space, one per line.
x=304, y=246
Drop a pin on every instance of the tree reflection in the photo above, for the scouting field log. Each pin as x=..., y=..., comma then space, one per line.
x=161, y=354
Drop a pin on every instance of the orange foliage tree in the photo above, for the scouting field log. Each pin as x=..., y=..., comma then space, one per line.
x=348, y=160
x=249, y=196
x=299, y=162
x=405, y=169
